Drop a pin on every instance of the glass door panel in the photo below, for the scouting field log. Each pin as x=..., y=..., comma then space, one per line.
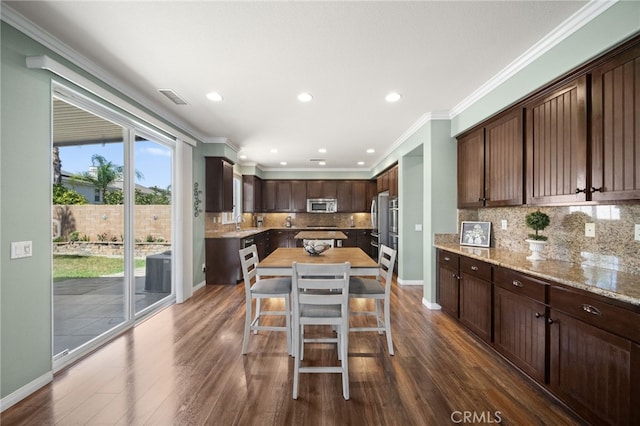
x=90, y=294
x=153, y=219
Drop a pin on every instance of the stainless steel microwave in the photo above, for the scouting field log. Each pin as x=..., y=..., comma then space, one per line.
x=322, y=205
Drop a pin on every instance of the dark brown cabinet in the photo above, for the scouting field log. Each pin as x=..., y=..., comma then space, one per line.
x=222, y=260
x=448, y=283
x=283, y=196
x=557, y=145
x=615, y=147
x=321, y=189
x=219, y=185
x=388, y=181
x=490, y=163
x=475, y=297
x=352, y=196
x=251, y=194
x=298, y=196
x=594, y=360
x=520, y=321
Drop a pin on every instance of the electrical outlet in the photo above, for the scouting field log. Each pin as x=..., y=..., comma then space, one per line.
x=503, y=224
x=20, y=249
x=636, y=234
x=589, y=229
x=204, y=268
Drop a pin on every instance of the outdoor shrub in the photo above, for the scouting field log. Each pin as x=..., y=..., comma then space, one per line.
x=74, y=236
x=150, y=238
x=102, y=237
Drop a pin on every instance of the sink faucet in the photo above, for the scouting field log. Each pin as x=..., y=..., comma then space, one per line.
x=238, y=221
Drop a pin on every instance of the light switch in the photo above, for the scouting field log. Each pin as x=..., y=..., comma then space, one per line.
x=20, y=249
x=503, y=224
x=636, y=233
x=418, y=227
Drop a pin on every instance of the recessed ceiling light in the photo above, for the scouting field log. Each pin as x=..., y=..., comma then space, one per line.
x=273, y=151
x=360, y=163
x=322, y=150
x=283, y=163
x=243, y=157
x=393, y=97
x=214, y=96
x=305, y=97
x=322, y=163
x=371, y=151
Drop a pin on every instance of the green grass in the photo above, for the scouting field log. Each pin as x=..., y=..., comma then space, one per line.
x=73, y=266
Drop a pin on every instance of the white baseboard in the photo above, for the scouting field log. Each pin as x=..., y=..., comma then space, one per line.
x=199, y=286
x=432, y=306
x=25, y=391
x=410, y=282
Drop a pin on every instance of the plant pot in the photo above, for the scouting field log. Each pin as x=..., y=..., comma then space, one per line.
x=536, y=247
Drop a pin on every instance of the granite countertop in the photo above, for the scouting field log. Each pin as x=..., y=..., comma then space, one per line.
x=247, y=232
x=617, y=285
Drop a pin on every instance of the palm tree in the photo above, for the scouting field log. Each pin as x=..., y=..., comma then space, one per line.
x=105, y=174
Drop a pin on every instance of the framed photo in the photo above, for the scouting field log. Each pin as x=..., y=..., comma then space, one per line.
x=475, y=234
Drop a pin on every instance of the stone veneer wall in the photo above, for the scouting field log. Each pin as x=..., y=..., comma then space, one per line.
x=613, y=246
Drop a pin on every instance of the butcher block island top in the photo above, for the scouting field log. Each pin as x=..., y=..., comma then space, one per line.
x=320, y=235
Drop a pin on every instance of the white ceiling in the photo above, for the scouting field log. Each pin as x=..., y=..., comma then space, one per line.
x=261, y=55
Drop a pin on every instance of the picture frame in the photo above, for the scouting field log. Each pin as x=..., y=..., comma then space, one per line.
x=477, y=234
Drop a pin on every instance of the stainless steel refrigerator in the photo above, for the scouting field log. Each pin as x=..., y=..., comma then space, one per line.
x=379, y=222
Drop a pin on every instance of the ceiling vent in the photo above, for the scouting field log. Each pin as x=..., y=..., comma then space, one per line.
x=317, y=159
x=173, y=96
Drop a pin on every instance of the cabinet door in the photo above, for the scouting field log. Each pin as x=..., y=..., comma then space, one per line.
x=592, y=371
x=504, y=150
x=615, y=155
x=359, y=201
x=321, y=189
x=475, y=305
x=251, y=194
x=471, y=169
x=219, y=185
x=269, y=195
x=222, y=261
x=557, y=146
x=393, y=182
x=448, y=290
x=283, y=196
x=520, y=331
x=298, y=196
x=344, y=193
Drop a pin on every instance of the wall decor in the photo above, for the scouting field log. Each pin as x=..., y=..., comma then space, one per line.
x=475, y=234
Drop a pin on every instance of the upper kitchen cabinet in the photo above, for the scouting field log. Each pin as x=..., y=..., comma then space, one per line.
x=352, y=196
x=556, y=125
x=321, y=189
x=298, y=196
x=284, y=196
x=615, y=131
x=388, y=181
x=490, y=163
x=219, y=185
x=251, y=194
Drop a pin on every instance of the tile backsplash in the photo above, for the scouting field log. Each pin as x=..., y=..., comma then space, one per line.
x=298, y=220
x=612, y=247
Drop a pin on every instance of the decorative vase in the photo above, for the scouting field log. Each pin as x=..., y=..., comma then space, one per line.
x=536, y=247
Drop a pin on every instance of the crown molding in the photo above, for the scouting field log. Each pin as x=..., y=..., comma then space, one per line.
x=569, y=26
x=222, y=140
x=16, y=20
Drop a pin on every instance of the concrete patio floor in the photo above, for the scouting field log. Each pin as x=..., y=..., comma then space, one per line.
x=84, y=308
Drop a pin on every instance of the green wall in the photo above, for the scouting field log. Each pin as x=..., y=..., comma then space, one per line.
x=25, y=290
x=410, y=186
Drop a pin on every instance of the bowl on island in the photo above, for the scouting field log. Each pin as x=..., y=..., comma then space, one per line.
x=314, y=248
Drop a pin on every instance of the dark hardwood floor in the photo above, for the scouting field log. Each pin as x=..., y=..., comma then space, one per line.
x=183, y=367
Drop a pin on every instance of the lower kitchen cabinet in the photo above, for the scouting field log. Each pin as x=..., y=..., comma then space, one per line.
x=448, y=282
x=475, y=296
x=582, y=347
x=222, y=260
x=519, y=313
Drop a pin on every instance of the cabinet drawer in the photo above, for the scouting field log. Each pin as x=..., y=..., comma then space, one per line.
x=448, y=258
x=520, y=284
x=475, y=267
x=611, y=318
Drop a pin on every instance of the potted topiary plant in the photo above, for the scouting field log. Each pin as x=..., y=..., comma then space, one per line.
x=537, y=221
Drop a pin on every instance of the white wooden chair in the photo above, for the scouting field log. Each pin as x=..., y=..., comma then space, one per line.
x=269, y=288
x=379, y=290
x=321, y=297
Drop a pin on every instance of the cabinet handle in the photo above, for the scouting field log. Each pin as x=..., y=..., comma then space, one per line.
x=474, y=268
x=591, y=309
x=550, y=321
x=516, y=283
x=538, y=314
x=447, y=258
x=578, y=190
x=594, y=189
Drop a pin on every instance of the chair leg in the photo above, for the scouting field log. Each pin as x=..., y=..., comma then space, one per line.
x=287, y=313
x=344, y=346
x=247, y=328
x=296, y=353
x=379, y=322
x=257, y=314
x=387, y=325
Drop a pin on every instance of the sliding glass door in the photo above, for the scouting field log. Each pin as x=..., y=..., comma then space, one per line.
x=112, y=223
